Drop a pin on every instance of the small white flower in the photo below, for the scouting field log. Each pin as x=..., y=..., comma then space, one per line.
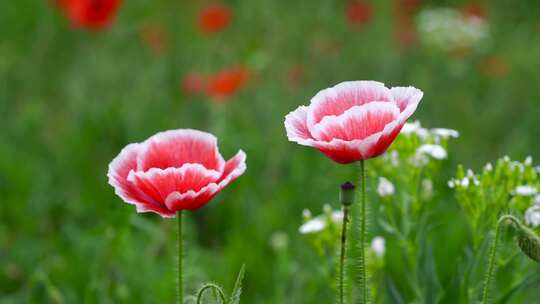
x=327, y=208
x=488, y=167
x=410, y=127
x=445, y=133
x=378, y=245
x=465, y=182
x=528, y=160
x=314, y=225
x=320, y=222
x=337, y=216
x=536, y=199
x=506, y=158
x=434, y=151
x=419, y=160
x=394, y=158
x=416, y=128
x=279, y=240
x=427, y=187
x=451, y=184
x=385, y=187
x=472, y=177
x=306, y=214
x=525, y=190
x=532, y=216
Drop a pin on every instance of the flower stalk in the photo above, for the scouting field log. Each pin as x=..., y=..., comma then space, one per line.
x=363, y=209
x=347, y=198
x=492, y=255
x=180, y=281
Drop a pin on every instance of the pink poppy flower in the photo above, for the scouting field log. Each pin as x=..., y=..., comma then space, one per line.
x=172, y=171
x=92, y=14
x=214, y=18
x=354, y=120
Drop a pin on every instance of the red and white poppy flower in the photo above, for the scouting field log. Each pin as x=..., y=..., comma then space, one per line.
x=354, y=120
x=172, y=171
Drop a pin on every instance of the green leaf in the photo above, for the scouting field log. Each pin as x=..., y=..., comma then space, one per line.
x=237, y=290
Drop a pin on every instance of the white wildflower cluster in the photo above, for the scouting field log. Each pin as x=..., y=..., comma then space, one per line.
x=448, y=29
x=525, y=190
x=320, y=222
x=469, y=179
x=431, y=140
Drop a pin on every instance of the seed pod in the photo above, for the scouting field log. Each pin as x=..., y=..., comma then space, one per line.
x=347, y=194
x=529, y=243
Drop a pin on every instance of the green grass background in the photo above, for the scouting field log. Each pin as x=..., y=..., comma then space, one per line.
x=71, y=99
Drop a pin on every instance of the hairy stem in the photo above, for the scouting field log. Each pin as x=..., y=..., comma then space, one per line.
x=492, y=255
x=342, y=256
x=215, y=288
x=363, y=208
x=180, y=282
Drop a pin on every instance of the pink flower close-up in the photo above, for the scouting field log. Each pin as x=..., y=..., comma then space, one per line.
x=173, y=171
x=354, y=120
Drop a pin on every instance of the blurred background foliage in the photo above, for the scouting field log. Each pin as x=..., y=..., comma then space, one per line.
x=71, y=98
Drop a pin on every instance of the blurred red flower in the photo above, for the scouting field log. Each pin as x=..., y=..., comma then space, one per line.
x=173, y=171
x=193, y=83
x=155, y=37
x=475, y=10
x=214, y=18
x=408, y=5
x=227, y=82
x=354, y=120
x=358, y=13
x=495, y=66
x=91, y=14
x=296, y=75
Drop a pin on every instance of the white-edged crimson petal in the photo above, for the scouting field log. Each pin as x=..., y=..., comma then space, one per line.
x=174, y=148
x=159, y=184
x=119, y=169
x=234, y=167
x=358, y=122
x=296, y=124
x=406, y=96
x=163, y=211
x=407, y=99
x=343, y=96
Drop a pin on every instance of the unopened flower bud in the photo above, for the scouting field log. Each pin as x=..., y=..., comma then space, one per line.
x=529, y=243
x=347, y=194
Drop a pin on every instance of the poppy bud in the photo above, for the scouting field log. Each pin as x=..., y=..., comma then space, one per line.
x=347, y=194
x=529, y=243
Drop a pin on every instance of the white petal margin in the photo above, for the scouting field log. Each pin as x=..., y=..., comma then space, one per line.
x=357, y=115
x=344, y=96
x=119, y=169
x=163, y=138
x=211, y=189
x=295, y=124
x=407, y=99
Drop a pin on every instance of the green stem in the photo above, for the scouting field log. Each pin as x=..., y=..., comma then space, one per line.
x=214, y=287
x=492, y=256
x=180, y=283
x=342, y=256
x=363, y=208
